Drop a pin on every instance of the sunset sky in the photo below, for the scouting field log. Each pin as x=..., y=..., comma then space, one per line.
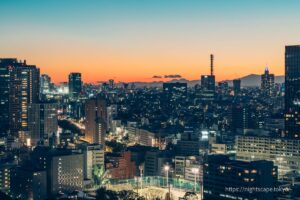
x=134, y=40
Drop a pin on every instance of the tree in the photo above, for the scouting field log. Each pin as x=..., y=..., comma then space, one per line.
x=104, y=194
x=99, y=175
x=190, y=196
x=4, y=196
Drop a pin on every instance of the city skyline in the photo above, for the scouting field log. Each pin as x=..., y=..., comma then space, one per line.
x=137, y=41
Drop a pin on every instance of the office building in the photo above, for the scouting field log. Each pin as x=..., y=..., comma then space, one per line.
x=208, y=83
x=292, y=91
x=284, y=153
x=155, y=160
x=112, y=112
x=243, y=116
x=42, y=121
x=221, y=176
x=5, y=66
x=189, y=144
x=29, y=183
x=93, y=156
x=188, y=168
x=19, y=86
x=267, y=83
x=46, y=84
x=236, y=86
x=75, y=84
x=95, y=121
x=24, y=90
x=64, y=173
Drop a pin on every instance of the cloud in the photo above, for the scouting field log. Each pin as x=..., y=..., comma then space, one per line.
x=173, y=76
x=156, y=76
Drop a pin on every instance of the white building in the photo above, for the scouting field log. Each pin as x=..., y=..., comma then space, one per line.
x=285, y=153
x=93, y=155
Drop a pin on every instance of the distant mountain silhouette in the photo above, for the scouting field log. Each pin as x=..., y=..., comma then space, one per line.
x=254, y=80
x=251, y=80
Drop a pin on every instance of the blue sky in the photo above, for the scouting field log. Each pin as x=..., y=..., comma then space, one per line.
x=149, y=33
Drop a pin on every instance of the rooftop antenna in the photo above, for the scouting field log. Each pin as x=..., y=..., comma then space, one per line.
x=211, y=64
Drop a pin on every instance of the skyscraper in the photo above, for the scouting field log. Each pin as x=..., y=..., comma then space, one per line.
x=292, y=91
x=267, y=83
x=236, y=86
x=5, y=65
x=24, y=90
x=75, y=84
x=208, y=82
x=95, y=122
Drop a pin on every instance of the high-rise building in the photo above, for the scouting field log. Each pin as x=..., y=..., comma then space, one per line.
x=229, y=179
x=24, y=90
x=42, y=121
x=208, y=83
x=239, y=116
x=95, y=121
x=243, y=116
x=292, y=91
x=267, y=83
x=5, y=66
x=46, y=85
x=112, y=112
x=29, y=183
x=236, y=86
x=75, y=84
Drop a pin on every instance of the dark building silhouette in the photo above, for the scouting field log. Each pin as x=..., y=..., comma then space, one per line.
x=28, y=182
x=267, y=83
x=188, y=144
x=236, y=86
x=75, y=84
x=243, y=117
x=42, y=121
x=292, y=91
x=96, y=120
x=23, y=90
x=208, y=83
x=175, y=91
x=5, y=65
x=229, y=179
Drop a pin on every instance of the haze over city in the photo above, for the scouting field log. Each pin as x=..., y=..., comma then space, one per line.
x=137, y=40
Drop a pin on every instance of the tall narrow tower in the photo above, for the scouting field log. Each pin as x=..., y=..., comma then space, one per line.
x=208, y=82
x=211, y=64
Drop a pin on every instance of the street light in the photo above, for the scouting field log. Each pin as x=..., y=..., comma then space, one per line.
x=141, y=168
x=137, y=184
x=167, y=168
x=196, y=172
